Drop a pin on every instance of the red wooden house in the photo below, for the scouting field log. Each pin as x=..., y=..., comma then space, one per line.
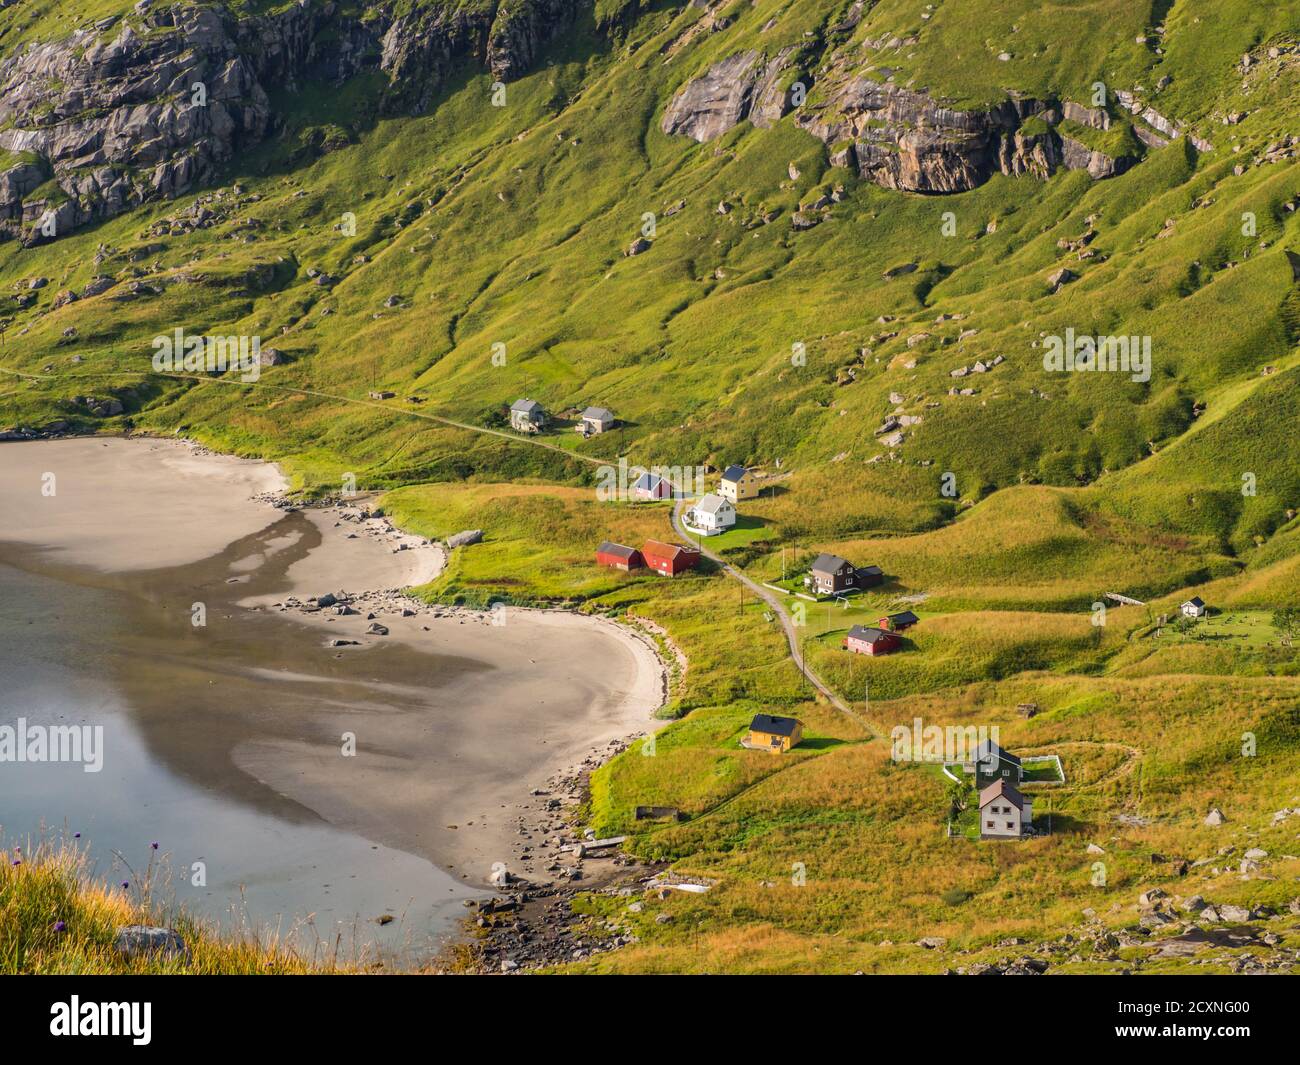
x=618, y=556
x=867, y=641
x=669, y=559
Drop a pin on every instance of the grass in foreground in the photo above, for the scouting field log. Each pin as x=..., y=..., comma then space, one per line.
x=56, y=918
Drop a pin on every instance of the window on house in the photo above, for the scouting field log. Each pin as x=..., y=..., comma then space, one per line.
x=1011, y=824
x=988, y=824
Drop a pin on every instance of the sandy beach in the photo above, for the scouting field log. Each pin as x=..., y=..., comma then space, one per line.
x=457, y=716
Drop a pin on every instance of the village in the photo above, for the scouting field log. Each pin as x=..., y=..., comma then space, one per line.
x=991, y=791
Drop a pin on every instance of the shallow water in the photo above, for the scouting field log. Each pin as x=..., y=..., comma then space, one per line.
x=175, y=701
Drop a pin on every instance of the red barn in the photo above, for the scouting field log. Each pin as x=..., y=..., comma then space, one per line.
x=669, y=559
x=866, y=641
x=618, y=556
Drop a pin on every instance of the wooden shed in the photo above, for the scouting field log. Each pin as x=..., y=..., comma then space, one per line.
x=619, y=556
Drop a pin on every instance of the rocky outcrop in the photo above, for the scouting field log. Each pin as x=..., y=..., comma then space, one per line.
x=743, y=86
x=904, y=138
x=154, y=105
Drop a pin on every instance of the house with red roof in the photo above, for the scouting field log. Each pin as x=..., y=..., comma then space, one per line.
x=669, y=559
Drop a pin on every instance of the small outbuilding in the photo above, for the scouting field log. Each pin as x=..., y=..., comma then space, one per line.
x=619, y=556
x=864, y=640
x=770, y=733
x=669, y=559
x=527, y=416
x=905, y=619
x=1194, y=607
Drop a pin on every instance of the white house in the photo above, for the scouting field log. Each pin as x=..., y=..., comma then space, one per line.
x=738, y=483
x=1004, y=812
x=1194, y=607
x=711, y=515
x=527, y=416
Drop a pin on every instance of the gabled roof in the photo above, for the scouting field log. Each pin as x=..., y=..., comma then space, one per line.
x=608, y=547
x=1000, y=789
x=659, y=549
x=648, y=481
x=1196, y=601
x=989, y=751
x=711, y=504
x=526, y=406
x=734, y=473
x=828, y=563
x=599, y=414
x=871, y=571
x=903, y=617
x=774, y=726
x=869, y=634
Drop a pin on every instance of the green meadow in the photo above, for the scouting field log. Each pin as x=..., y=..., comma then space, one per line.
x=1002, y=517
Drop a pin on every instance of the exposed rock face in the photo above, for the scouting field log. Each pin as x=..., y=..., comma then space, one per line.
x=903, y=138
x=178, y=91
x=146, y=114
x=745, y=85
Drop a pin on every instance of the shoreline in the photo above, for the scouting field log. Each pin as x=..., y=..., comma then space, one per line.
x=530, y=699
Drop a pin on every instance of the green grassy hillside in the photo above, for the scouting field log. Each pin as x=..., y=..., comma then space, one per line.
x=887, y=362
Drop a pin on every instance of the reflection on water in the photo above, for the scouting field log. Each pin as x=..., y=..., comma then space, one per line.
x=175, y=701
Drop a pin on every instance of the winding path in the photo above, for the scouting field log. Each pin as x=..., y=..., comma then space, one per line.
x=778, y=608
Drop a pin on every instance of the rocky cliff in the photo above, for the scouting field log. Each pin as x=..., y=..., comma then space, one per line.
x=903, y=138
x=153, y=104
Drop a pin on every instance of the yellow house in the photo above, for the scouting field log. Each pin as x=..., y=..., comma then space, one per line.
x=737, y=483
x=775, y=734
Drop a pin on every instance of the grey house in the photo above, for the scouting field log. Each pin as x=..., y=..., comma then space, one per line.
x=527, y=416
x=597, y=420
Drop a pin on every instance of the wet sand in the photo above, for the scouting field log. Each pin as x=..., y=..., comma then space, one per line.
x=455, y=717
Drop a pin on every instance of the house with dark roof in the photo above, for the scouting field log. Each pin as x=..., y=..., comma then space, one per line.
x=904, y=619
x=831, y=575
x=1194, y=607
x=650, y=486
x=527, y=416
x=770, y=733
x=1004, y=812
x=619, y=556
x=596, y=420
x=991, y=763
x=737, y=483
x=864, y=640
